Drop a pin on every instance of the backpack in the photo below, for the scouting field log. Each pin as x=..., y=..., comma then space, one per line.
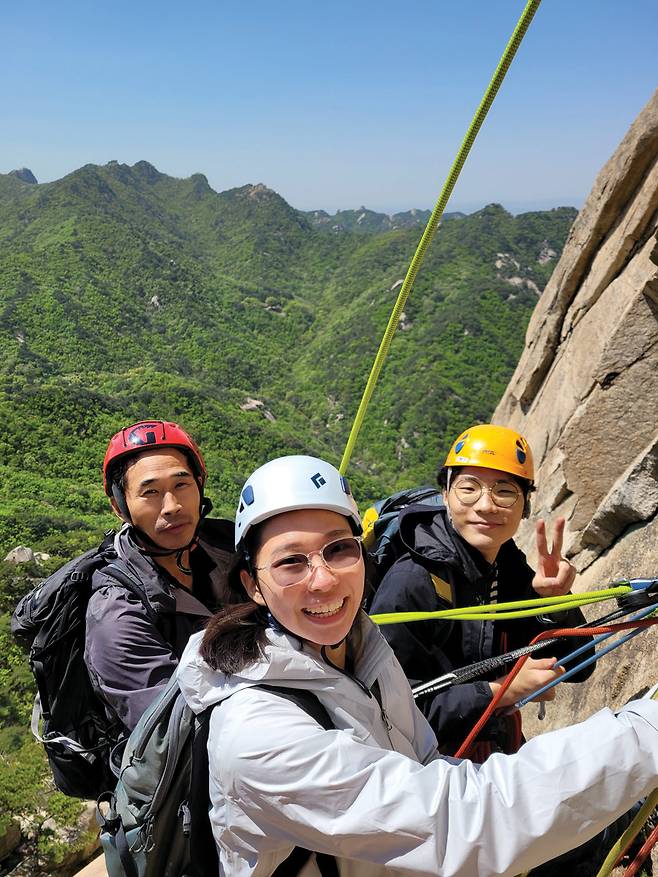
x=381, y=528
x=156, y=823
x=76, y=731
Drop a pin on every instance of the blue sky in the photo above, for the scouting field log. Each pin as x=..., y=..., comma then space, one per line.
x=332, y=104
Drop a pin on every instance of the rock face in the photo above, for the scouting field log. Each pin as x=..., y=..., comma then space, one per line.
x=585, y=394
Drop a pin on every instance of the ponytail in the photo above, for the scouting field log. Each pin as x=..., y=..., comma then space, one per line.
x=235, y=636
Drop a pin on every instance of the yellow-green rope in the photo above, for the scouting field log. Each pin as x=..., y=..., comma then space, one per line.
x=435, y=218
x=630, y=834
x=499, y=611
x=632, y=831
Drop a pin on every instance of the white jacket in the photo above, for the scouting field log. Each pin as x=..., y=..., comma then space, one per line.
x=378, y=798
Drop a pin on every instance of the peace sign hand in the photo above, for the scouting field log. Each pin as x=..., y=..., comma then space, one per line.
x=555, y=575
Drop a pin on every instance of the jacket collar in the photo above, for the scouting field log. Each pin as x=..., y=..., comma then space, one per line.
x=285, y=661
x=160, y=589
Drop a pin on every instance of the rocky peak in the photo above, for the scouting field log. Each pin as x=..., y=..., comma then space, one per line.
x=585, y=389
x=24, y=174
x=260, y=190
x=146, y=170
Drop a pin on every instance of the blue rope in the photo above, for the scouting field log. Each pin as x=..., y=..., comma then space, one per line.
x=586, y=663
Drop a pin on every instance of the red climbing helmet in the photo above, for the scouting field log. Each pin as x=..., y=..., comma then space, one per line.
x=148, y=435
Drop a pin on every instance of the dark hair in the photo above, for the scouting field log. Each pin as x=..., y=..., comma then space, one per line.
x=235, y=636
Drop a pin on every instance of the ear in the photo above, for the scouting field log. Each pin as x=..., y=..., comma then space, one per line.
x=115, y=509
x=250, y=586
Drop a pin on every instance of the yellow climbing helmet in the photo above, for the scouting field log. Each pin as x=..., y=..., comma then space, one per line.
x=493, y=447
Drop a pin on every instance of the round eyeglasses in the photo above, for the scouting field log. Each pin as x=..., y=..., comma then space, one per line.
x=469, y=489
x=293, y=569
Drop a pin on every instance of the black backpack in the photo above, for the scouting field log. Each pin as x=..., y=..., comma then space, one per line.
x=76, y=730
x=381, y=527
x=156, y=823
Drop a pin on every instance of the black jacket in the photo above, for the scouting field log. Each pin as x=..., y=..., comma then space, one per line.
x=427, y=649
x=129, y=658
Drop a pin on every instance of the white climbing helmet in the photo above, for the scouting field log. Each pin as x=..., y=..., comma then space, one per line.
x=289, y=483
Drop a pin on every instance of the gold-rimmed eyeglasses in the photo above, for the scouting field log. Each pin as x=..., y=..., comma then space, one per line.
x=469, y=489
x=293, y=569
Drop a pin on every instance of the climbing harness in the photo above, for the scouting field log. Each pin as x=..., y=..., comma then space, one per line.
x=434, y=220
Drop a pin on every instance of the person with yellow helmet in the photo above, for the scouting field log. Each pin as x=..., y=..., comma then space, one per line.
x=463, y=554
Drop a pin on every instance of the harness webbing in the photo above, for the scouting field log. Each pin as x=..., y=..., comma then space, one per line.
x=433, y=222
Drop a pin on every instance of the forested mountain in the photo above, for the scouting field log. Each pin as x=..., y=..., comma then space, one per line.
x=126, y=294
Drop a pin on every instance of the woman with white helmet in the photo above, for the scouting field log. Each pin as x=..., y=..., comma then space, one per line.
x=371, y=792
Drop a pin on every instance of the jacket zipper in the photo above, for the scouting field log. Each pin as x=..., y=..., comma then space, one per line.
x=364, y=687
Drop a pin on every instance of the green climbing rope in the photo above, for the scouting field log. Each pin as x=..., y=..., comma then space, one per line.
x=435, y=218
x=499, y=611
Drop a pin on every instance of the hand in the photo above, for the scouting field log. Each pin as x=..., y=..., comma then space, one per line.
x=555, y=575
x=533, y=674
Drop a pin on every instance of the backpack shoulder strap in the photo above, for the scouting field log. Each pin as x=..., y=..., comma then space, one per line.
x=202, y=843
x=115, y=571
x=304, y=699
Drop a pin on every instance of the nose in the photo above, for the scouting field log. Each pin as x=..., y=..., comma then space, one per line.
x=170, y=504
x=485, y=502
x=322, y=578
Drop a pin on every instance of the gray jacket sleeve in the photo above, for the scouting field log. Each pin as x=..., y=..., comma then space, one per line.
x=128, y=660
x=278, y=779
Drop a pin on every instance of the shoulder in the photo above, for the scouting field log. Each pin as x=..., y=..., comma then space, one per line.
x=408, y=581
x=253, y=728
x=406, y=574
x=110, y=600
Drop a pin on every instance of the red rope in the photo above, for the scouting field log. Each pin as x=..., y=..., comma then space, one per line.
x=464, y=749
x=644, y=852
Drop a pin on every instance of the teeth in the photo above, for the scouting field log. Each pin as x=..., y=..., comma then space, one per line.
x=326, y=610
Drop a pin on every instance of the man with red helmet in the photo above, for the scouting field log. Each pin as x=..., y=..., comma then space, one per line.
x=155, y=475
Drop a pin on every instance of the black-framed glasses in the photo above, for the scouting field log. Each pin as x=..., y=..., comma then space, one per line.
x=293, y=569
x=468, y=490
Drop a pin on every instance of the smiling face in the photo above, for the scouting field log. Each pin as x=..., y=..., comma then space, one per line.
x=322, y=607
x=484, y=525
x=163, y=497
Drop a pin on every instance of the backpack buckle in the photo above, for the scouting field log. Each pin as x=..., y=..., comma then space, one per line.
x=107, y=817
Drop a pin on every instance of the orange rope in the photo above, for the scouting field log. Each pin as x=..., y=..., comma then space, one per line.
x=644, y=852
x=464, y=749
